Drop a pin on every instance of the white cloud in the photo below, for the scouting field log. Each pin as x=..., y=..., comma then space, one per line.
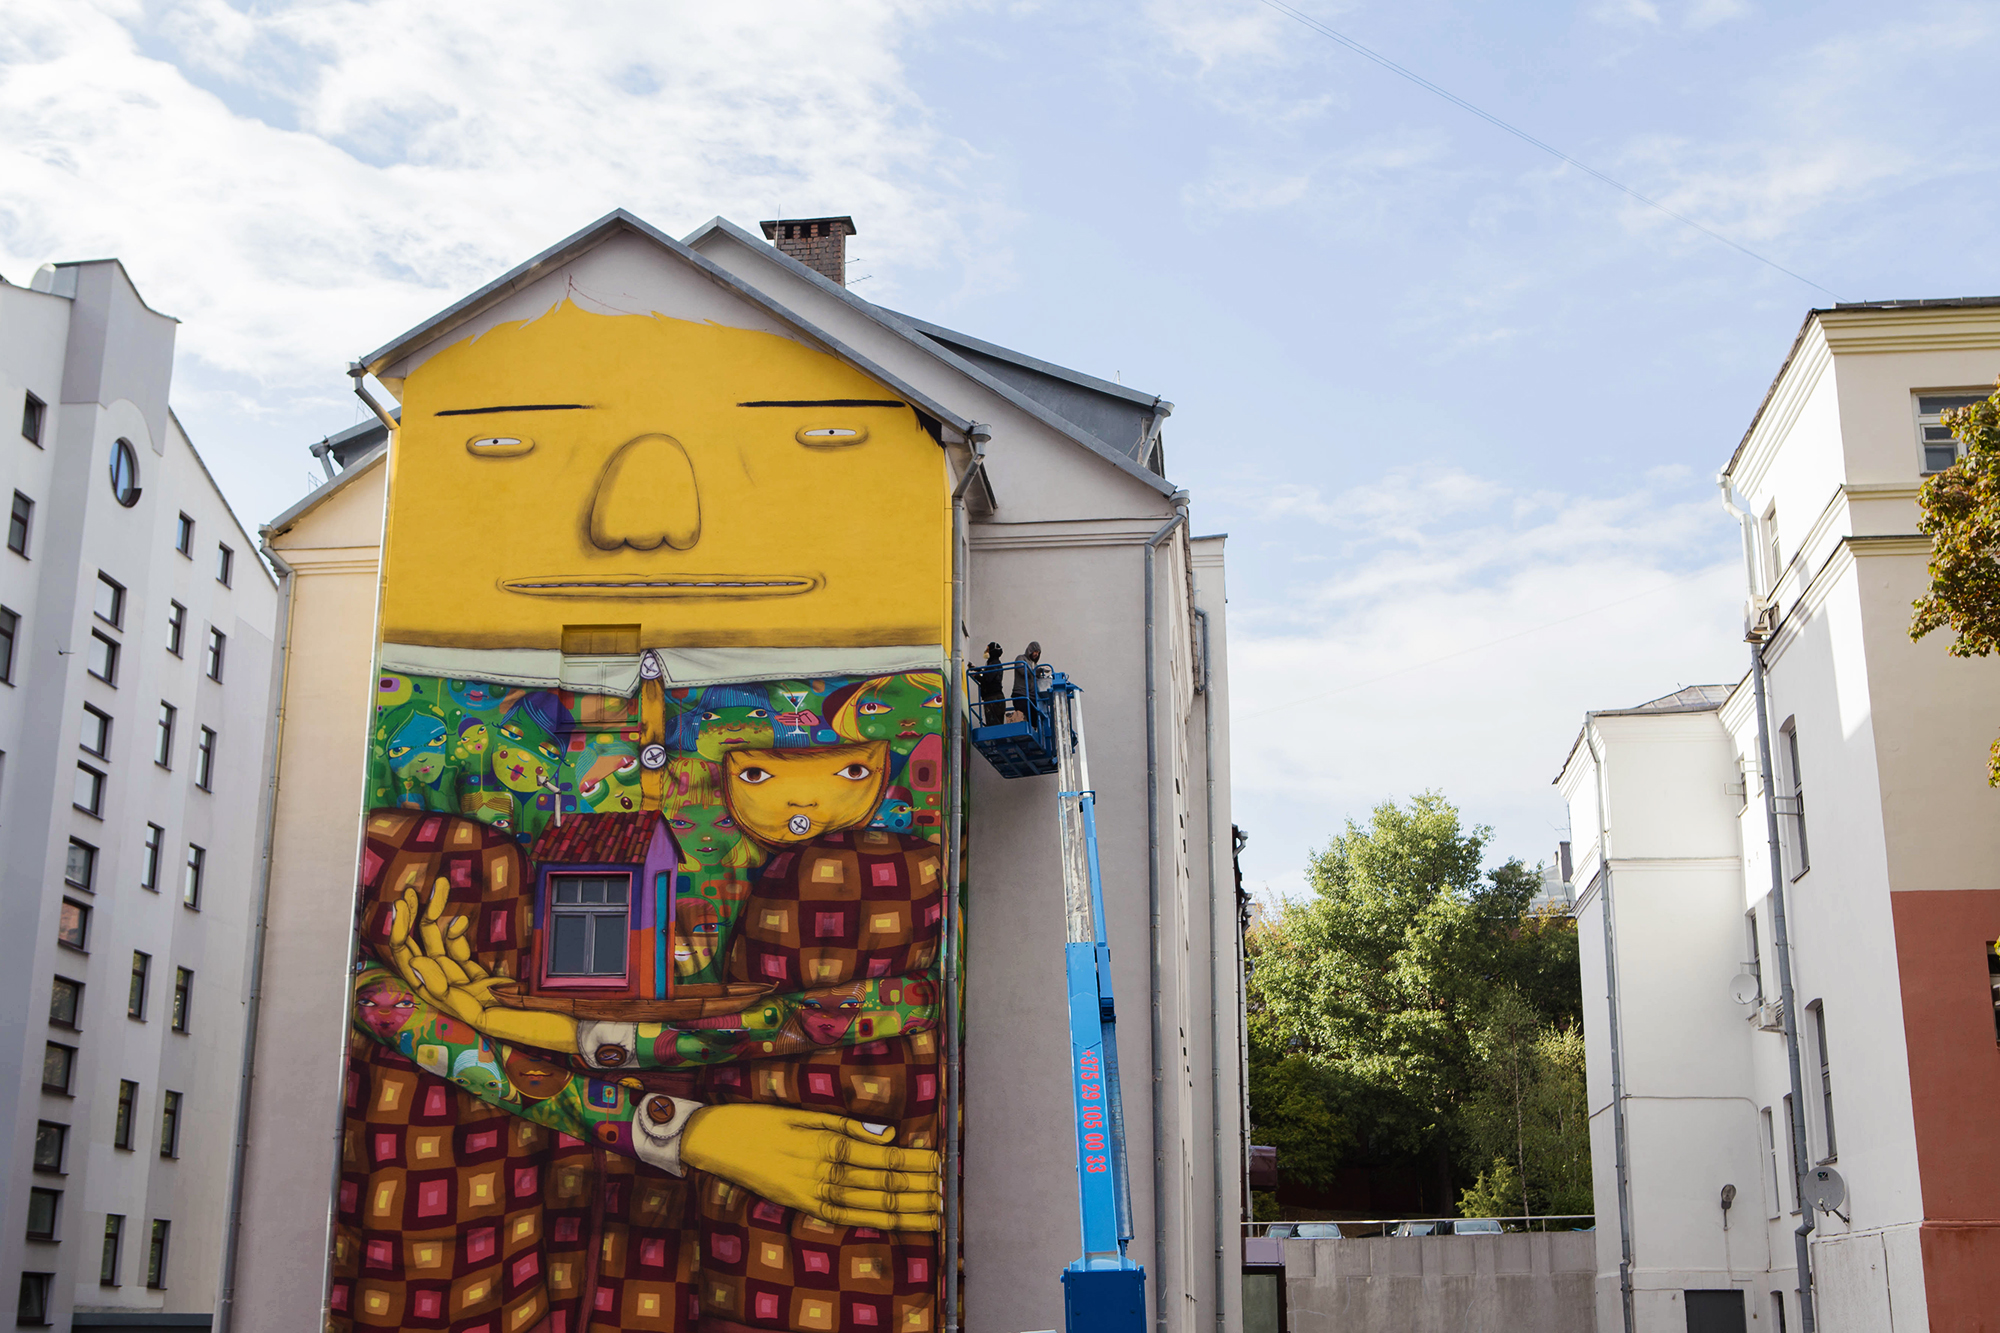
x=1467, y=628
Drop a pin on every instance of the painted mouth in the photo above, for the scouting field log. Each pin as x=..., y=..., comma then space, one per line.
x=663, y=585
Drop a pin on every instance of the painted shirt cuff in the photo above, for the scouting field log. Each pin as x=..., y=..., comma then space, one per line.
x=657, y=1125
x=607, y=1045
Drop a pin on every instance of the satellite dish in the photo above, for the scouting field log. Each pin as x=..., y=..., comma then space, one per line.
x=1825, y=1188
x=1745, y=988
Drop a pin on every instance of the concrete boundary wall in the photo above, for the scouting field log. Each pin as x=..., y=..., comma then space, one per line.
x=1534, y=1282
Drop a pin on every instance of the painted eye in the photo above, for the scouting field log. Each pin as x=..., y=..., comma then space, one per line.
x=935, y=701
x=498, y=446
x=753, y=776
x=870, y=708
x=711, y=717
x=855, y=772
x=627, y=763
x=398, y=751
x=760, y=712
x=725, y=826
x=681, y=823
x=589, y=788
x=831, y=437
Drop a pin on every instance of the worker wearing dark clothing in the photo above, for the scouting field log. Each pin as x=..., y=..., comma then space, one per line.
x=1024, y=676
x=991, y=708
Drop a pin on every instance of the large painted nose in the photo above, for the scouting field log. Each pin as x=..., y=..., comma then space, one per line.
x=646, y=498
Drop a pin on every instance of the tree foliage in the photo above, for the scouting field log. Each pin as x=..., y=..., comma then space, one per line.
x=1527, y=1111
x=1386, y=983
x=1959, y=510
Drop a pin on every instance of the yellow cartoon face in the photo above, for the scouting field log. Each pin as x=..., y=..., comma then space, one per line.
x=791, y=796
x=715, y=486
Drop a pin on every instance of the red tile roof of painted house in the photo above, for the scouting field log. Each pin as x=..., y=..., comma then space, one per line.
x=597, y=839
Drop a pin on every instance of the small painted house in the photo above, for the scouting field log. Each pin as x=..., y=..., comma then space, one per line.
x=604, y=907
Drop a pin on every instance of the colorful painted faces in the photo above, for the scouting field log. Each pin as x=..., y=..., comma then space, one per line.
x=416, y=749
x=784, y=797
x=899, y=709
x=697, y=479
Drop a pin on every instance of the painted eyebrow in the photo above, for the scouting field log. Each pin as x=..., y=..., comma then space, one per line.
x=826, y=402
x=513, y=407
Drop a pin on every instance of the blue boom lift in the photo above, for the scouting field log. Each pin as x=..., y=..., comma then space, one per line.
x=1038, y=729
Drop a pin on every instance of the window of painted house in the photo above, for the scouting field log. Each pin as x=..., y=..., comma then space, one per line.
x=156, y=1255
x=217, y=641
x=125, y=473
x=89, y=792
x=1940, y=450
x=109, y=606
x=184, y=536
x=10, y=625
x=58, y=1068
x=170, y=1125
x=33, y=413
x=51, y=1141
x=42, y=1207
x=177, y=619
x=225, y=564
x=1774, y=562
x=73, y=926
x=191, y=885
x=1774, y=1196
x=587, y=916
x=163, y=743
x=183, y=998
x=204, y=760
x=32, y=1311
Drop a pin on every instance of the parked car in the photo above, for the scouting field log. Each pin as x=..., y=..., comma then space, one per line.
x=1422, y=1229
x=1317, y=1230
x=1279, y=1230
x=1476, y=1226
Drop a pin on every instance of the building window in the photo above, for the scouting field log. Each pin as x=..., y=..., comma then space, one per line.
x=1775, y=1196
x=33, y=1310
x=73, y=926
x=217, y=641
x=1818, y=1011
x=183, y=998
x=58, y=1066
x=42, y=1205
x=204, y=760
x=110, y=604
x=177, y=619
x=128, y=1100
x=135, y=998
x=1933, y=436
x=1791, y=801
x=184, y=536
x=114, y=1239
x=125, y=473
x=50, y=1141
x=80, y=865
x=1774, y=563
x=10, y=625
x=191, y=886
x=96, y=734
x=225, y=564
x=156, y=838
x=170, y=1125
x=163, y=745
x=33, y=412
x=103, y=659
x=65, y=1002
x=156, y=1256
x=18, y=524
x=89, y=793
x=587, y=915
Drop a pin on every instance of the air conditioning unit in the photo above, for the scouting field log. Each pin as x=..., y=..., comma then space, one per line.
x=1769, y=1017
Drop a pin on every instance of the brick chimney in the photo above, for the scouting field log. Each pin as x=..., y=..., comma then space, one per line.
x=818, y=243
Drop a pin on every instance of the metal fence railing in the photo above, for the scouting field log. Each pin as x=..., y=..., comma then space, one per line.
x=1415, y=1226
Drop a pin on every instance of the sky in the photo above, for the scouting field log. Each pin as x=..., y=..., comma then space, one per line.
x=1457, y=403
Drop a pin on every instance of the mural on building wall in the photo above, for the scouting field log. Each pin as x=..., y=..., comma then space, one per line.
x=646, y=1001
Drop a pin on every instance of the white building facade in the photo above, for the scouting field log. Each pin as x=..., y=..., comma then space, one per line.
x=1888, y=863
x=135, y=650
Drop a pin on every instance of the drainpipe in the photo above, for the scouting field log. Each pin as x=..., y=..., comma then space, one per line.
x=356, y=372
x=976, y=438
x=225, y=1307
x=1759, y=636
x=1214, y=973
x=1160, y=1318
x=1619, y=1150
x=1238, y=840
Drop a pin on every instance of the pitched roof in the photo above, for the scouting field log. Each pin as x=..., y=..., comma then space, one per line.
x=1692, y=699
x=612, y=224
x=620, y=839
x=1039, y=388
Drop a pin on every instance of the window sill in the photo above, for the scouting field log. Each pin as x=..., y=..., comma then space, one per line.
x=48, y=1091
x=136, y=1018
x=81, y=810
x=43, y=1240
x=73, y=948
x=163, y=766
x=102, y=680
x=49, y=1171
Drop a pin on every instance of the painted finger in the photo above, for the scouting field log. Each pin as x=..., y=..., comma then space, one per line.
x=440, y=894
x=920, y=1160
x=907, y=1203
x=857, y=1217
x=430, y=977
x=859, y=1177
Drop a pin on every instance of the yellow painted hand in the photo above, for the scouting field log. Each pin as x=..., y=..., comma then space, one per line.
x=435, y=958
x=837, y=1169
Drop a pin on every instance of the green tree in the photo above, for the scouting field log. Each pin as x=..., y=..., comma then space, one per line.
x=1527, y=1112
x=1386, y=975
x=1959, y=510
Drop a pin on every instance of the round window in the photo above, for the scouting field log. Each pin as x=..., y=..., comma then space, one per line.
x=125, y=473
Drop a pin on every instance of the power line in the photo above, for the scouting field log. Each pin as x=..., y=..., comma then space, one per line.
x=1528, y=138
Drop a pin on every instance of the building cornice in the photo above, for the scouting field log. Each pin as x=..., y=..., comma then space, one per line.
x=1912, y=329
